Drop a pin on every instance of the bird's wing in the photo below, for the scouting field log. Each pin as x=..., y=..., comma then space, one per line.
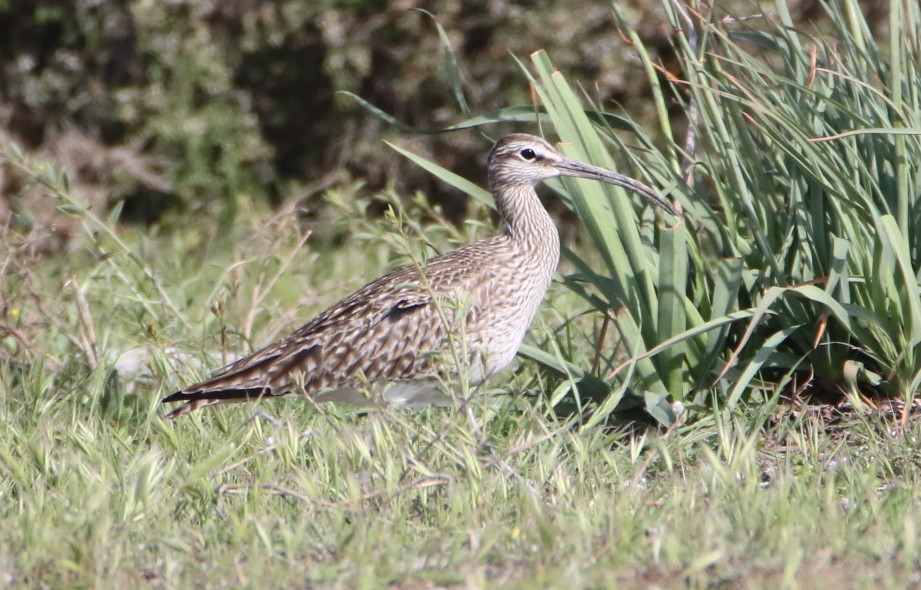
x=384, y=332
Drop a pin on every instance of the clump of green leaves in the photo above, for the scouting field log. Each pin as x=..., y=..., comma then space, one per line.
x=799, y=254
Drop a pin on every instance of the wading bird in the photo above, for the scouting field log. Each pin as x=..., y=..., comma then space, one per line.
x=475, y=302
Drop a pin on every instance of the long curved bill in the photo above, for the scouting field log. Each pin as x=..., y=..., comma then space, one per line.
x=580, y=170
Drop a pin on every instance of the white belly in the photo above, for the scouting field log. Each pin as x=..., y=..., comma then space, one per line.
x=404, y=394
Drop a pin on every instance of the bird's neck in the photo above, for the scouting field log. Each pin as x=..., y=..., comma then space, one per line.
x=527, y=222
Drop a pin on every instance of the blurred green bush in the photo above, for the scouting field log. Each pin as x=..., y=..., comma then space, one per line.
x=194, y=105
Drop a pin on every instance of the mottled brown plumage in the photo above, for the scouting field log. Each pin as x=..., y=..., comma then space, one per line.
x=473, y=305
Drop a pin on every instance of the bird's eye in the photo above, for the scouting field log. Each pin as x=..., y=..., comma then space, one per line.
x=528, y=154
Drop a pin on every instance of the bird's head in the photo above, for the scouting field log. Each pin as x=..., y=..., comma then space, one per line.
x=521, y=159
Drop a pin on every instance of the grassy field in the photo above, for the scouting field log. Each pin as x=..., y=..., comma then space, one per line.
x=793, y=273
x=98, y=491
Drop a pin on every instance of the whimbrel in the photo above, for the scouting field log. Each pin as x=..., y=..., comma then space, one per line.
x=482, y=296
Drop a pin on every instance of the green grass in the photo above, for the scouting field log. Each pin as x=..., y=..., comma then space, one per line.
x=97, y=491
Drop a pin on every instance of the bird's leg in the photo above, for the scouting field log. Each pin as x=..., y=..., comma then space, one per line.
x=472, y=422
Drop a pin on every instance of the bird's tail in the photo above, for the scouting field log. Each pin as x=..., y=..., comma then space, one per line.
x=195, y=400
